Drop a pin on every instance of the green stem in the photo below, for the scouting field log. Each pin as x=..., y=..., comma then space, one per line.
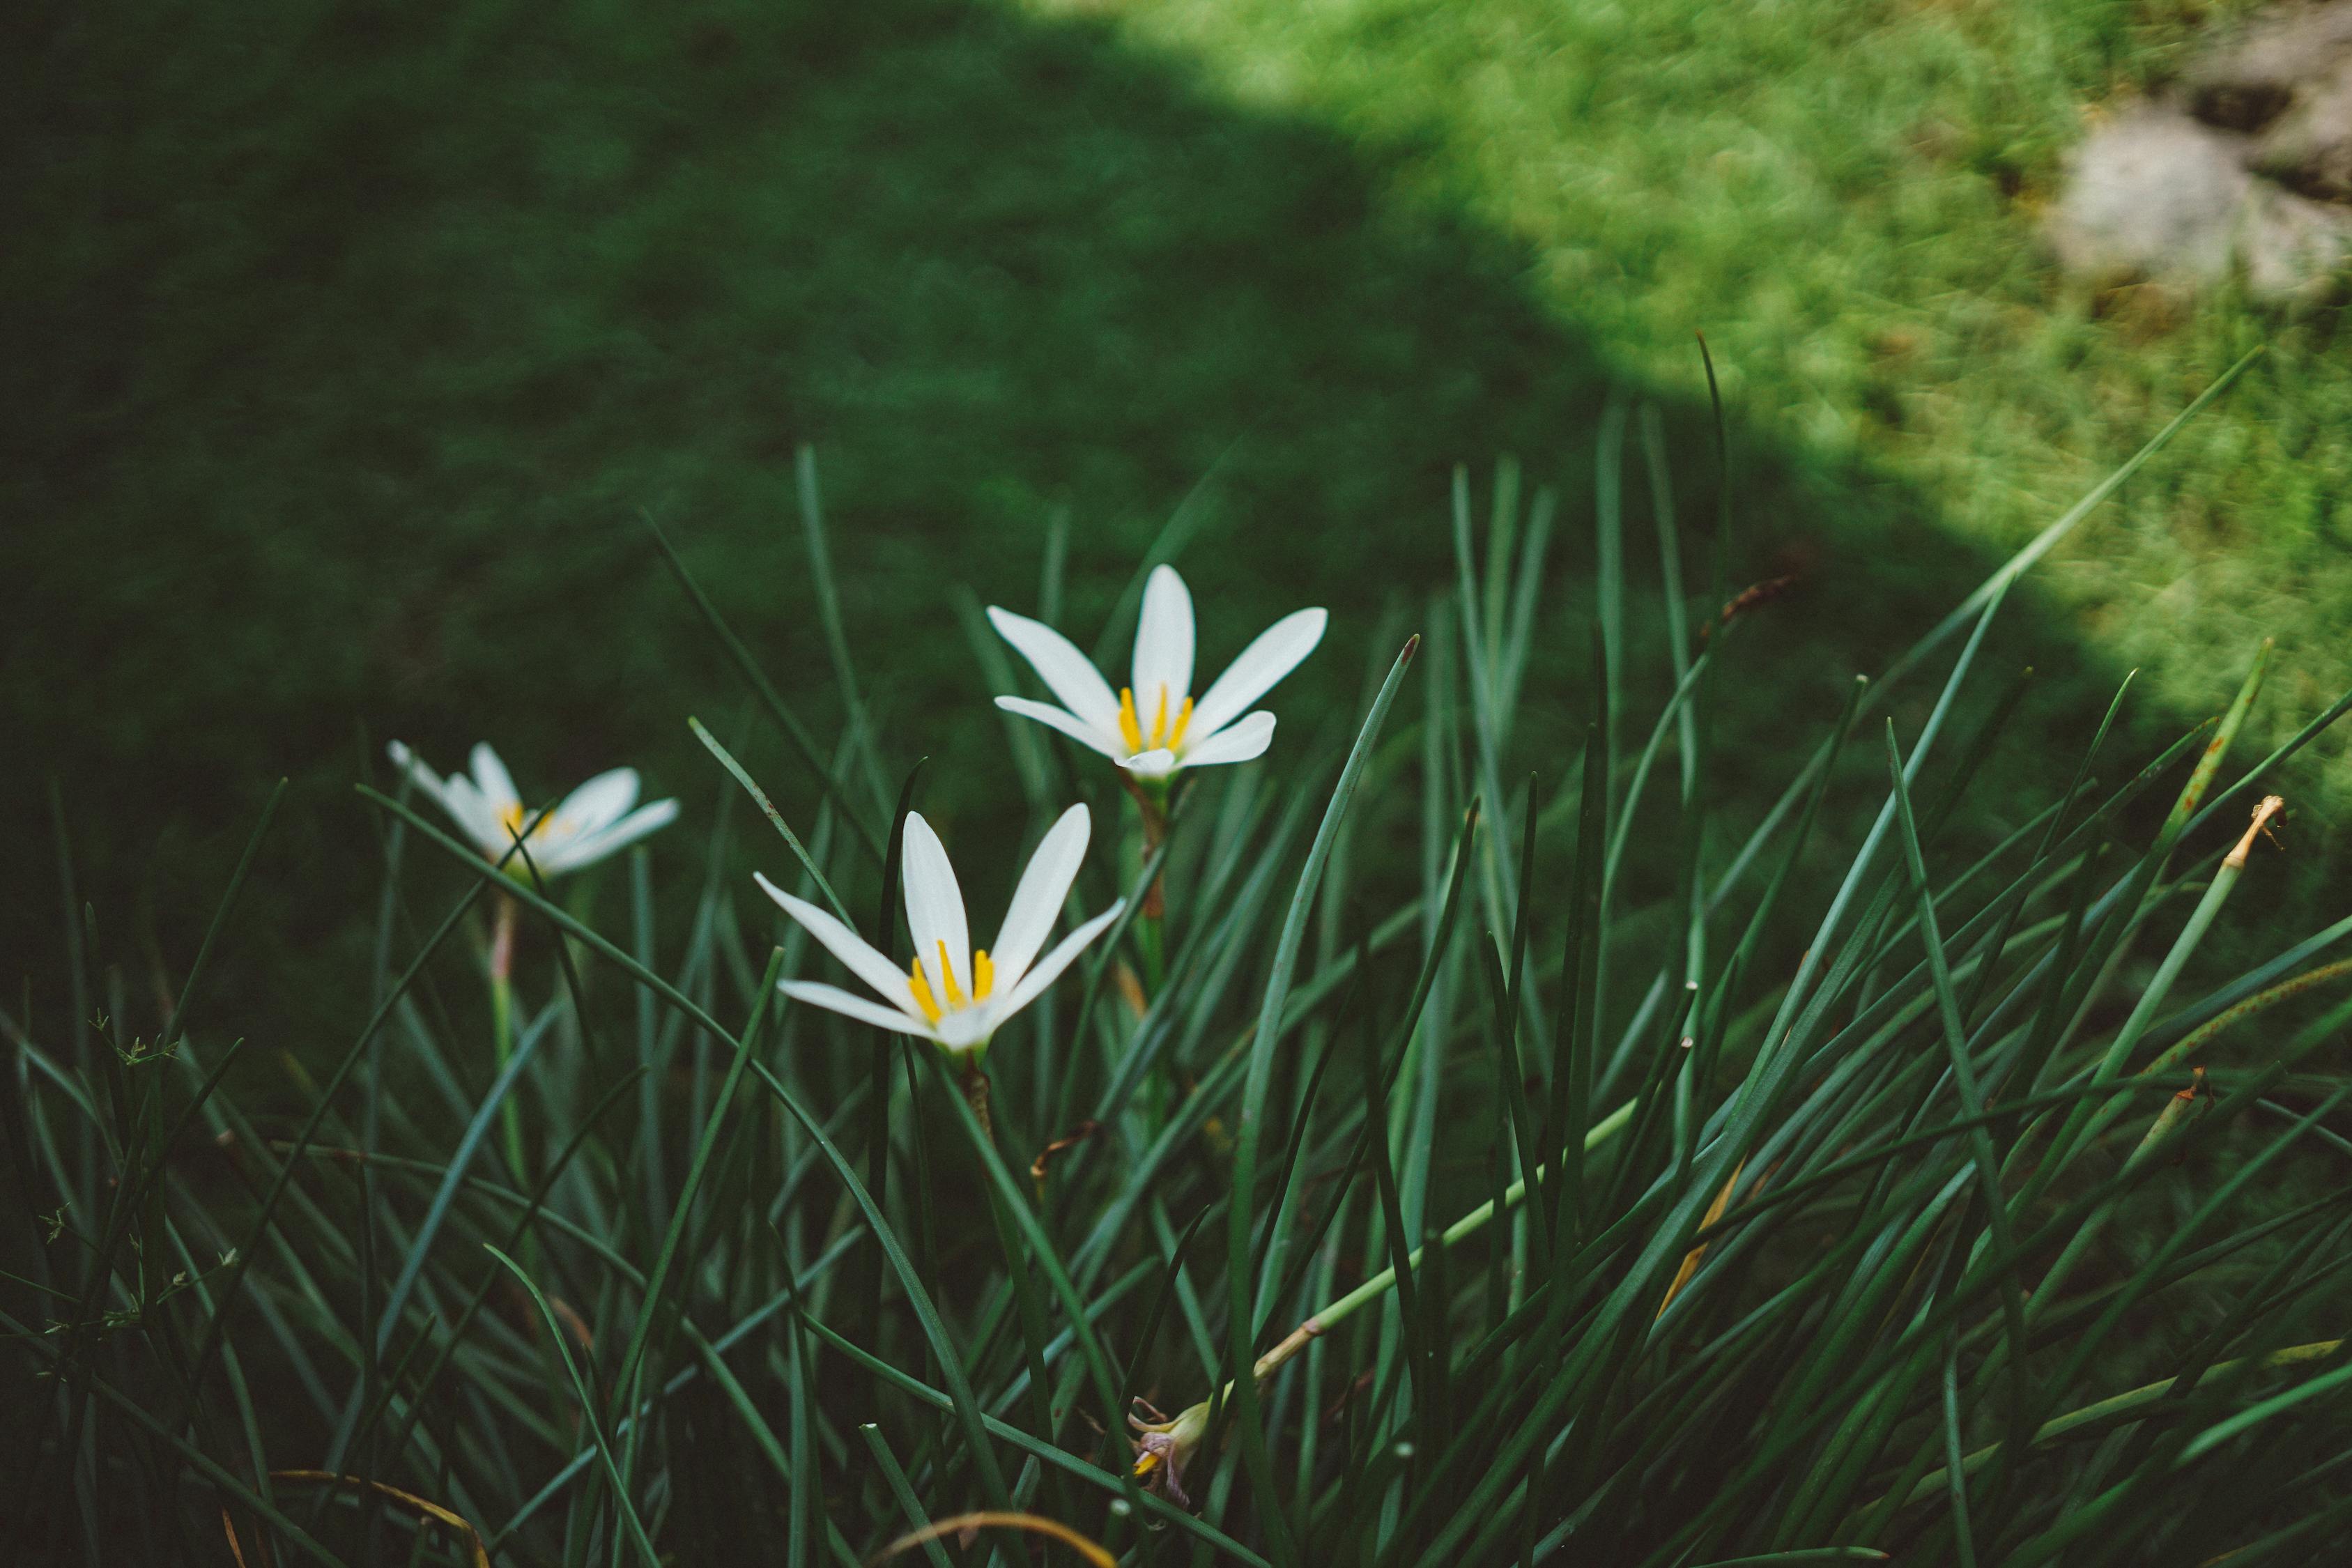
x=974, y=1084
x=502, y=1030
x=2121, y=1405
x=2284, y=991
x=1152, y=802
x=1186, y=1430
x=2089, y=1121
x=1468, y=1224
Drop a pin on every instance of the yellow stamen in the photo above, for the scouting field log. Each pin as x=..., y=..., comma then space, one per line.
x=1129, y=729
x=922, y=990
x=1144, y=1463
x=946, y=975
x=512, y=817
x=1183, y=717
x=984, y=976
x=1159, y=716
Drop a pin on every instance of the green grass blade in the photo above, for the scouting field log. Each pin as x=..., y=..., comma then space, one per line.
x=220, y=917
x=768, y=809
x=829, y=606
x=786, y=720
x=1242, y=1310
x=964, y=1402
x=652, y=1306
x=587, y=1401
x=896, y=1478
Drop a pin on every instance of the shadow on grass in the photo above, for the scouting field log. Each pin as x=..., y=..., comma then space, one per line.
x=353, y=338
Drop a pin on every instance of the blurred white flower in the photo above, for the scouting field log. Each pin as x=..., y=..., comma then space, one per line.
x=951, y=994
x=593, y=821
x=1154, y=727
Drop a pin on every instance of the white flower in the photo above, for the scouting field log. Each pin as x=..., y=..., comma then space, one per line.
x=593, y=821
x=1155, y=727
x=951, y=994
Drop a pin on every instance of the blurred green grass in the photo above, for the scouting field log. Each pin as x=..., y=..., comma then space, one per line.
x=1845, y=196
x=354, y=340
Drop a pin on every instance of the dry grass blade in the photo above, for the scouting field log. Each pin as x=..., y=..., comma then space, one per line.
x=1036, y=1524
x=1691, y=1258
x=423, y=1505
x=235, y=1547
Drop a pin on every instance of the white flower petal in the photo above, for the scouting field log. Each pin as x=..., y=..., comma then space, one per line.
x=1163, y=652
x=478, y=817
x=574, y=851
x=427, y=781
x=935, y=916
x=1037, y=901
x=1156, y=765
x=1237, y=742
x=1069, y=724
x=456, y=796
x=889, y=982
x=963, y=1031
x=850, y=1004
x=1275, y=654
x=598, y=803
x=1065, y=670
x=1050, y=967
x=491, y=777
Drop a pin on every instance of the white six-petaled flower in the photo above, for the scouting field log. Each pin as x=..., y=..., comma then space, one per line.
x=950, y=994
x=1155, y=727
x=593, y=821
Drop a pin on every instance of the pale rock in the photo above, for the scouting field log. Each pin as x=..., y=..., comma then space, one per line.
x=2152, y=194
x=2245, y=168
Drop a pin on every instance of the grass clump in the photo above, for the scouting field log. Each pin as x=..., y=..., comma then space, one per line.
x=1447, y=1151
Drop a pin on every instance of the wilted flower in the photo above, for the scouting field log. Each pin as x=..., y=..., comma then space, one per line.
x=1154, y=727
x=1163, y=1447
x=592, y=822
x=950, y=994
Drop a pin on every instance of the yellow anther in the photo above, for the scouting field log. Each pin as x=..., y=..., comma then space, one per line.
x=1183, y=717
x=1159, y=716
x=984, y=976
x=922, y=991
x=512, y=817
x=1129, y=729
x=947, y=977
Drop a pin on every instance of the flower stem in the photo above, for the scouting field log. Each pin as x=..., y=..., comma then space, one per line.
x=1151, y=801
x=1150, y=1457
x=975, y=1094
x=502, y=1032
x=1469, y=1224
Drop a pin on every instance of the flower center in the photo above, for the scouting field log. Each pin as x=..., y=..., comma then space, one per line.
x=919, y=984
x=513, y=816
x=1161, y=733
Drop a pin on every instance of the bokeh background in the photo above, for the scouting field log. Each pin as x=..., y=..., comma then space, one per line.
x=350, y=344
